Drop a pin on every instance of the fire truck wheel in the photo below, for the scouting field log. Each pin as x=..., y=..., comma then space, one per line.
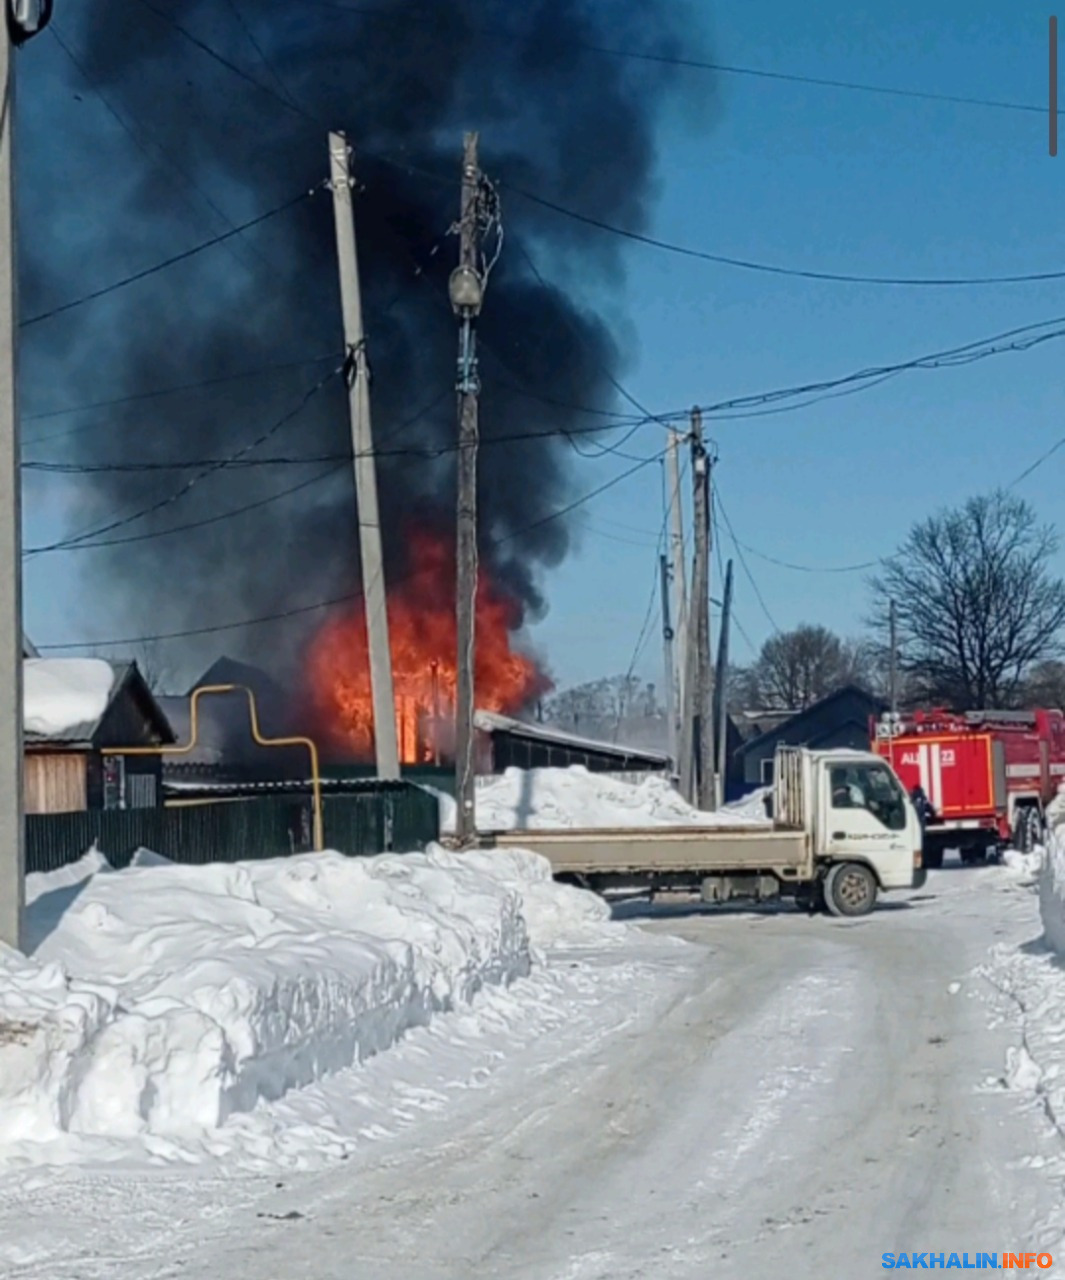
x=1027, y=829
x=850, y=889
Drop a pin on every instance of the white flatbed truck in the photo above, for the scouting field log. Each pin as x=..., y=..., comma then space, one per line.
x=843, y=831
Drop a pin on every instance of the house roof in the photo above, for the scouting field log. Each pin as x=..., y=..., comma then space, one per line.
x=66, y=678
x=492, y=722
x=788, y=726
x=231, y=671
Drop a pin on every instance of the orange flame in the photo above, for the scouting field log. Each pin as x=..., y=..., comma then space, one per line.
x=422, y=633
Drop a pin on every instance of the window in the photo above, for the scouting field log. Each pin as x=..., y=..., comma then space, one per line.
x=766, y=771
x=871, y=787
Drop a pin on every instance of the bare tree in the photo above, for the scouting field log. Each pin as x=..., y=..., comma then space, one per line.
x=977, y=604
x=797, y=668
x=1044, y=685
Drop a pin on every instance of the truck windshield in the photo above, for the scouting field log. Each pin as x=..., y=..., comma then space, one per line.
x=872, y=787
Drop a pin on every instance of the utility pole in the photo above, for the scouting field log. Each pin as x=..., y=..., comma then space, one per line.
x=12, y=800
x=697, y=774
x=893, y=641
x=667, y=640
x=680, y=592
x=721, y=687
x=357, y=376
x=466, y=289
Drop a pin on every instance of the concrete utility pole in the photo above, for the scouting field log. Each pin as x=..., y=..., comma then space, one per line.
x=357, y=375
x=667, y=641
x=697, y=777
x=721, y=687
x=12, y=822
x=893, y=641
x=466, y=288
x=680, y=591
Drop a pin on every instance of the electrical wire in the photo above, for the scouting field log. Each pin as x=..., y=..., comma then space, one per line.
x=259, y=503
x=184, y=256
x=775, y=269
x=291, y=104
x=66, y=544
x=719, y=505
x=281, y=615
x=698, y=64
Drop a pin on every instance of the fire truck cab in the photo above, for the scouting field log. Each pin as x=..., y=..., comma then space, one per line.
x=987, y=775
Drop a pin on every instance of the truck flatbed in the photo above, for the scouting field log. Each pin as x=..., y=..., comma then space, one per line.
x=656, y=850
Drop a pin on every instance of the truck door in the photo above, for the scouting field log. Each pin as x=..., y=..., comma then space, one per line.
x=868, y=817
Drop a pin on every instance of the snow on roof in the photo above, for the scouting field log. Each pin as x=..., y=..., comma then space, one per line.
x=64, y=698
x=491, y=720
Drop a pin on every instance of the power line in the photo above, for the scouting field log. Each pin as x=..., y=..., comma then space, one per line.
x=168, y=262
x=719, y=505
x=259, y=503
x=809, y=568
x=291, y=104
x=286, y=101
x=719, y=68
x=138, y=142
x=132, y=641
x=767, y=268
x=209, y=469
x=159, y=392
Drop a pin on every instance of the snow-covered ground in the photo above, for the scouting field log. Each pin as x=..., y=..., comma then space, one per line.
x=574, y=797
x=168, y=1012
x=789, y=1096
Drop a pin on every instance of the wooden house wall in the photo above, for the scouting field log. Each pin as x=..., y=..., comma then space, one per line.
x=55, y=781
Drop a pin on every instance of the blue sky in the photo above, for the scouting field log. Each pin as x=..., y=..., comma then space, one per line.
x=838, y=181
x=823, y=179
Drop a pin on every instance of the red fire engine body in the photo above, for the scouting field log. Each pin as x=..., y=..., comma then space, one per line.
x=986, y=774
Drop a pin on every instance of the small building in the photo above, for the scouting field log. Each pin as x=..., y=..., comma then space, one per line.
x=77, y=715
x=224, y=738
x=839, y=721
x=505, y=743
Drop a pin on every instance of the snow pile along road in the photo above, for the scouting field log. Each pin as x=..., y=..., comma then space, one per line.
x=538, y=799
x=163, y=999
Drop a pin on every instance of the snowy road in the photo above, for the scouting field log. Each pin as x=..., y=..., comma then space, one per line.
x=794, y=1097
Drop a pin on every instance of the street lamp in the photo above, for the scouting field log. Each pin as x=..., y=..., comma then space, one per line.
x=466, y=290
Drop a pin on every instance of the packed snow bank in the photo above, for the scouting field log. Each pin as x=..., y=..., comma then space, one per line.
x=535, y=799
x=1052, y=876
x=752, y=807
x=61, y=693
x=162, y=999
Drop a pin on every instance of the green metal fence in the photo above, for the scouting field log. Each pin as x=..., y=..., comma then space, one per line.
x=398, y=819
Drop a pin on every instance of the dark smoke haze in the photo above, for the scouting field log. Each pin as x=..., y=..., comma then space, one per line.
x=403, y=81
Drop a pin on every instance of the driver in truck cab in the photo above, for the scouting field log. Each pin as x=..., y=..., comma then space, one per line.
x=845, y=794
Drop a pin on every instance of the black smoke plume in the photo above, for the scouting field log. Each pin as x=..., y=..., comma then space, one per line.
x=190, y=148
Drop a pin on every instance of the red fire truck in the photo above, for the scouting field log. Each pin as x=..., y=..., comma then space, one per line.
x=988, y=775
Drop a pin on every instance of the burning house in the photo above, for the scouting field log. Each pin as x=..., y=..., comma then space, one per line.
x=238, y=348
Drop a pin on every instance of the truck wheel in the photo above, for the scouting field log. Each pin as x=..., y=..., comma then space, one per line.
x=850, y=889
x=933, y=857
x=1027, y=829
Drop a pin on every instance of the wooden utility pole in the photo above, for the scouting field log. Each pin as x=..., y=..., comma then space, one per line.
x=680, y=592
x=697, y=771
x=721, y=687
x=704, y=688
x=670, y=673
x=466, y=289
x=357, y=375
x=12, y=824
x=893, y=672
